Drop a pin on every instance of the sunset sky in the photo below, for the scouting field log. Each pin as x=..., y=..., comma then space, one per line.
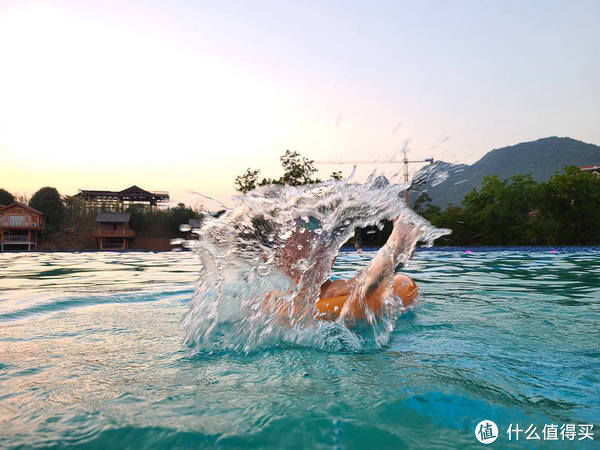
x=185, y=95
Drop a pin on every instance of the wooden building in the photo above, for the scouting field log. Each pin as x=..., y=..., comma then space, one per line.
x=133, y=195
x=592, y=169
x=112, y=231
x=20, y=226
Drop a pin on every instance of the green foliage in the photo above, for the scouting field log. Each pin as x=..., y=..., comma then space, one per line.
x=6, y=198
x=569, y=208
x=454, y=218
x=420, y=202
x=297, y=170
x=180, y=215
x=47, y=200
x=337, y=175
x=146, y=221
x=246, y=182
x=565, y=210
x=142, y=217
x=78, y=216
x=499, y=210
x=151, y=222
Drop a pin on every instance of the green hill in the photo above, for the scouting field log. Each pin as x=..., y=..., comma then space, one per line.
x=448, y=183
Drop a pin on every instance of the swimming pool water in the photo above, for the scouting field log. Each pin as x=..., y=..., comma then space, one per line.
x=92, y=356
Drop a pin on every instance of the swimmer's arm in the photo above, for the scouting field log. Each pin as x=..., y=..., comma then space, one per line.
x=374, y=285
x=402, y=240
x=377, y=277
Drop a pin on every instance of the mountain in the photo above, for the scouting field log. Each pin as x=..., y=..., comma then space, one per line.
x=448, y=183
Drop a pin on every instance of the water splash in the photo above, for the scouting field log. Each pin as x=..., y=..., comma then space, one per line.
x=264, y=261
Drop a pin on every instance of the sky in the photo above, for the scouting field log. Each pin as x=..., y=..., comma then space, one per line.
x=183, y=96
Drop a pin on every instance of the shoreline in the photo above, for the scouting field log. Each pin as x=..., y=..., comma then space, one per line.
x=487, y=248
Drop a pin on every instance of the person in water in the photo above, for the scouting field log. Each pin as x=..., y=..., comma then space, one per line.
x=366, y=291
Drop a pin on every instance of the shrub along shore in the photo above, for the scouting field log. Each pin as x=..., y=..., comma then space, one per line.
x=565, y=210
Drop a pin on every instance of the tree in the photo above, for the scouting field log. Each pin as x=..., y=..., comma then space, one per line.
x=500, y=209
x=569, y=208
x=297, y=170
x=565, y=210
x=499, y=213
x=6, y=198
x=419, y=204
x=247, y=181
x=180, y=215
x=425, y=208
x=47, y=200
x=454, y=218
x=141, y=217
x=337, y=175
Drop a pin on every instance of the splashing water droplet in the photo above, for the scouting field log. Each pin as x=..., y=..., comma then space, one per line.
x=302, y=264
x=286, y=235
x=263, y=270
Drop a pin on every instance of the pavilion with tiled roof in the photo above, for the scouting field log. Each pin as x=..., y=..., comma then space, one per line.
x=131, y=195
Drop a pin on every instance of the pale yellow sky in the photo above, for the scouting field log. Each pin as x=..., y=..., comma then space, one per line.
x=103, y=94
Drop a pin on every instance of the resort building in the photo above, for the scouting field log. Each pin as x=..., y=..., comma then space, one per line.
x=112, y=231
x=133, y=195
x=593, y=169
x=20, y=226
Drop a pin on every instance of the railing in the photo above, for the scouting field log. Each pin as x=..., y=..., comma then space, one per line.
x=6, y=224
x=99, y=232
x=9, y=238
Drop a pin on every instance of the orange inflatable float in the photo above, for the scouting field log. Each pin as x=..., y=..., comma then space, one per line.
x=329, y=308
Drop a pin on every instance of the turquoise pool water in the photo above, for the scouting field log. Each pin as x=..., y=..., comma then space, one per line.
x=92, y=355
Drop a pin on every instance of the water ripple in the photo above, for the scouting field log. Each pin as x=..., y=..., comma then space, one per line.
x=92, y=354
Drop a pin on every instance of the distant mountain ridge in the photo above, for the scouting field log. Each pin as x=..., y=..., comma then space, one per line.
x=540, y=158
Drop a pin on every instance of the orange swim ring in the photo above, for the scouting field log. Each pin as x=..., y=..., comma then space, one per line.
x=329, y=308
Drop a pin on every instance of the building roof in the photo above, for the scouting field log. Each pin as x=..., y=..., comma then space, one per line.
x=135, y=190
x=589, y=167
x=22, y=205
x=113, y=218
x=133, y=193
